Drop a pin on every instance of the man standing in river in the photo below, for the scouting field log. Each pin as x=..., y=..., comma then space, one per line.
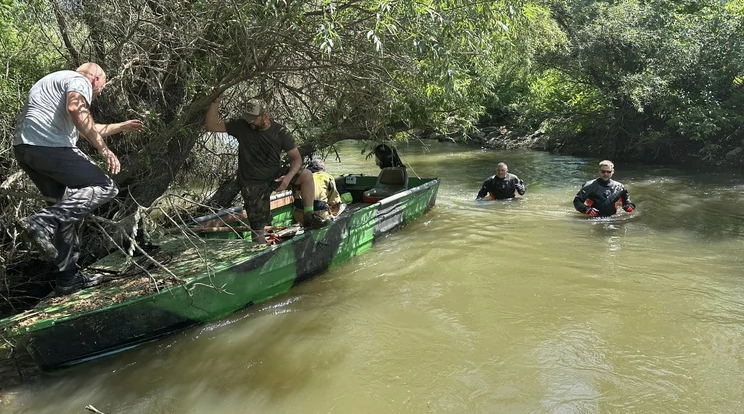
x=598, y=197
x=261, y=142
x=45, y=146
x=502, y=185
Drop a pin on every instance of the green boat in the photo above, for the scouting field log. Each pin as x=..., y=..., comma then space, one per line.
x=197, y=275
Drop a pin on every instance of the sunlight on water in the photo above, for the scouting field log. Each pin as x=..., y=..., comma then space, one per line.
x=520, y=306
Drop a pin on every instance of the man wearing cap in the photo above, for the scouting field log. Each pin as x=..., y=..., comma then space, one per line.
x=327, y=201
x=502, y=185
x=260, y=172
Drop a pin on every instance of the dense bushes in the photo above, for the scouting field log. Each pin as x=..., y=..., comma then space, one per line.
x=643, y=80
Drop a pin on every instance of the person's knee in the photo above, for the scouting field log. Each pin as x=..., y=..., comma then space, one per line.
x=304, y=176
x=109, y=190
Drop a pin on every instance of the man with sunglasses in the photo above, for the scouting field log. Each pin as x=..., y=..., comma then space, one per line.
x=600, y=196
x=56, y=112
x=261, y=142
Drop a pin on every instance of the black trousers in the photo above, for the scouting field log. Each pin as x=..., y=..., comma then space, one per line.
x=78, y=184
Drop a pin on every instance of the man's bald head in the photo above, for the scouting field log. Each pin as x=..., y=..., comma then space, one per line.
x=91, y=69
x=95, y=75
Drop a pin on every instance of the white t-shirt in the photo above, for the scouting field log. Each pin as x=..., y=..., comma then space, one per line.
x=44, y=120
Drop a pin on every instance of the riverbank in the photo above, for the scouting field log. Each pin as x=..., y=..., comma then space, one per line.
x=504, y=138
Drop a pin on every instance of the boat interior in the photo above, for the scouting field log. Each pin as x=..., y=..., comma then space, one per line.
x=357, y=191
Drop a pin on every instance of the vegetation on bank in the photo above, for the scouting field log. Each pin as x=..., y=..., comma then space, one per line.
x=657, y=80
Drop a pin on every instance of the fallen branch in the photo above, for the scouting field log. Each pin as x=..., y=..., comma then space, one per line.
x=10, y=180
x=218, y=229
x=21, y=194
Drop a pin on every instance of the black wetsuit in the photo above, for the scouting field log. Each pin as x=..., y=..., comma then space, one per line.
x=502, y=188
x=602, y=195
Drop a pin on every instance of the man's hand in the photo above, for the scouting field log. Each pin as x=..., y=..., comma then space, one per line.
x=629, y=208
x=111, y=160
x=592, y=212
x=520, y=187
x=219, y=97
x=132, y=125
x=284, y=179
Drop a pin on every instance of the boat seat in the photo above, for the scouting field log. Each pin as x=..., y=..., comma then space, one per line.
x=390, y=181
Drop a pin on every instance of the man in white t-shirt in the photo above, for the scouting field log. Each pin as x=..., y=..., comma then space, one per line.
x=45, y=146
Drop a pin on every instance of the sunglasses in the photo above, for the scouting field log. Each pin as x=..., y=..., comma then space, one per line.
x=605, y=171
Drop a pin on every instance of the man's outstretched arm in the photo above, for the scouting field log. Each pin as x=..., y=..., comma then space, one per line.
x=106, y=130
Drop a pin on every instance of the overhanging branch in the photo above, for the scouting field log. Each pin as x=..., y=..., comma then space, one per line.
x=62, y=23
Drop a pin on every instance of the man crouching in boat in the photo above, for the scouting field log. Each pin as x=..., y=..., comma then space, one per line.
x=502, y=185
x=260, y=172
x=327, y=203
x=598, y=197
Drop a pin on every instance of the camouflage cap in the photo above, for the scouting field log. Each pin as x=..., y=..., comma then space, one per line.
x=254, y=108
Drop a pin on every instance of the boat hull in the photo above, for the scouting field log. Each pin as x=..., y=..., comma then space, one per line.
x=242, y=279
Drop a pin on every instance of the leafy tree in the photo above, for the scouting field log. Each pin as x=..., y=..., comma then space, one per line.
x=665, y=74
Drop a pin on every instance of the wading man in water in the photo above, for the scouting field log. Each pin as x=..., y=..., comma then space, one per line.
x=502, y=185
x=45, y=145
x=598, y=197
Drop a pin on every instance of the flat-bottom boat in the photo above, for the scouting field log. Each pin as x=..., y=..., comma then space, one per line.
x=195, y=276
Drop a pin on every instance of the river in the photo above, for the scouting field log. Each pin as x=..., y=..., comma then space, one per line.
x=477, y=307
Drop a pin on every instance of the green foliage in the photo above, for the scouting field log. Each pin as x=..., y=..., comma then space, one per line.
x=25, y=58
x=654, y=78
x=553, y=95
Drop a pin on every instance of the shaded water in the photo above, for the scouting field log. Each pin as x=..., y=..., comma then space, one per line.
x=520, y=307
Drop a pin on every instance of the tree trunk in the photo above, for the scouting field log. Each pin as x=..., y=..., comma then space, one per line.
x=145, y=179
x=225, y=195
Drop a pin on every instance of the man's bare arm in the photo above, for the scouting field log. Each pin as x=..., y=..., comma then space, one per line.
x=295, y=161
x=77, y=107
x=213, y=122
x=112, y=129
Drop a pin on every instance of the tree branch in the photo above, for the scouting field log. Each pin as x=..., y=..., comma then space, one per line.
x=62, y=23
